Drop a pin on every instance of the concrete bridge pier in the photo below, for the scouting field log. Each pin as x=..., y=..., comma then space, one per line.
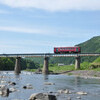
x=45, y=66
x=17, y=69
x=77, y=62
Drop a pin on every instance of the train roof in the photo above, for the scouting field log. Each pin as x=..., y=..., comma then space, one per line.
x=67, y=47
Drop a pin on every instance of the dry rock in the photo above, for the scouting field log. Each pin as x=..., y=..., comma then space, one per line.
x=3, y=82
x=78, y=97
x=81, y=93
x=12, y=83
x=42, y=96
x=13, y=89
x=66, y=91
x=4, y=92
x=27, y=87
x=47, y=83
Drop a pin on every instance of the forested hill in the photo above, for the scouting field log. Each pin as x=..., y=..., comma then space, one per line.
x=91, y=46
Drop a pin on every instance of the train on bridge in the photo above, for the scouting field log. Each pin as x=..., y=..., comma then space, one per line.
x=65, y=50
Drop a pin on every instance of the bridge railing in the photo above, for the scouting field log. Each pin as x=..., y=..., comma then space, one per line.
x=49, y=55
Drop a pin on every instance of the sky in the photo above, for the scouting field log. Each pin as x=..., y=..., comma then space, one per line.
x=37, y=26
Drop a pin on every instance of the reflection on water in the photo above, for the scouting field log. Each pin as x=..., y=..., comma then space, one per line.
x=46, y=77
x=77, y=81
x=17, y=76
x=92, y=86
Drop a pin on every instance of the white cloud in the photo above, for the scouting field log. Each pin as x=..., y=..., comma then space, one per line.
x=22, y=30
x=43, y=31
x=54, y=5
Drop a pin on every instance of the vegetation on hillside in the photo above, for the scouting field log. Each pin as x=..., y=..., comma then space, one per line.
x=91, y=46
x=9, y=64
x=96, y=63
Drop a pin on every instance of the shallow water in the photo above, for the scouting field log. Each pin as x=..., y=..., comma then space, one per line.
x=74, y=84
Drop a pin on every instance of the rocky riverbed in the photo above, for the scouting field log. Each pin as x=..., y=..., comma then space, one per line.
x=30, y=86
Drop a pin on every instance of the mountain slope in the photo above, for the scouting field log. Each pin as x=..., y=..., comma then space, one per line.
x=91, y=46
x=96, y=61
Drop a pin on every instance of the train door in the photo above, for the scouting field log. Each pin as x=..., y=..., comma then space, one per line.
x=76, y=49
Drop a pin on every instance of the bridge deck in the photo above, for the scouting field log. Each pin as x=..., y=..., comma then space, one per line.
x=49, y=55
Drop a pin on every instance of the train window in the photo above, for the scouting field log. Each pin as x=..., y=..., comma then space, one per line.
x=57, y=49
x=66, y=48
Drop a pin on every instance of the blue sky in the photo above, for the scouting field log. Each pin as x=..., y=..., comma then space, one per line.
x=35, y=26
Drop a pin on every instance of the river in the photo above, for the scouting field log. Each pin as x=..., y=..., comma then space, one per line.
x=72, y=83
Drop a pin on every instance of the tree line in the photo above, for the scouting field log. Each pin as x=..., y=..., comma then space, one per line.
x=9, y=64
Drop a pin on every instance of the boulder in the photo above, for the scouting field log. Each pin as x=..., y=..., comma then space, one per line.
x=3, y=82
x=2, y=86
x=42, y=96
x=27, y=87
x=48, y=83
x=2, y=76
x=13, y=89
x=12, y=83
x=69, y=98
x=60, y=91
x=66, y=91
x=78, y=97
x=81, y=93
x=4, y=92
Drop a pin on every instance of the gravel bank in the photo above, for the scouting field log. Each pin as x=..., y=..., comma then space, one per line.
x=85, y=73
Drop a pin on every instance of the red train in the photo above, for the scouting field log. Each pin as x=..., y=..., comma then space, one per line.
x=64, y=50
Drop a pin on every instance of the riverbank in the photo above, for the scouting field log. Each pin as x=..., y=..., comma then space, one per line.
x=84, y=73
x=80, y=73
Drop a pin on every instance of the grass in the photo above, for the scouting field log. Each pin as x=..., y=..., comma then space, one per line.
x=31, y=70
x=95, y=75
x=96, y=69
x=56, y=69
x=70, y=74
x=59, y=69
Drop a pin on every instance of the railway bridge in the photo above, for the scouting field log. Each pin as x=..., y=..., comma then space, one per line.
x=46, y=57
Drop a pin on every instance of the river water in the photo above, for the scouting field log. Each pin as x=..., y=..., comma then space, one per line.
x=72, y=83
